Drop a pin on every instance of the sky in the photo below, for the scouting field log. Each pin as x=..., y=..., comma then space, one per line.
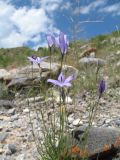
x=27, y=22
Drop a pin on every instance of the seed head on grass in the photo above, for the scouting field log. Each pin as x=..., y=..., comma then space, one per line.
x=61, y=81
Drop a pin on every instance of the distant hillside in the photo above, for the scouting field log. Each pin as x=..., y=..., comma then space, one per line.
x=105, y=45
x=14, y=56
x=106, y=40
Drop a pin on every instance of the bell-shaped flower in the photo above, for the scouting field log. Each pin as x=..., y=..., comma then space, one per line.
x=102, y=87
x=62, y=42
x=50, y=39
x=62, y=81
x=37, y=60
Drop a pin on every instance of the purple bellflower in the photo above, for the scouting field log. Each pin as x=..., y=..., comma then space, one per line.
x=62, y=42
x=38, y=60
x=101, y=88
x=50, y=40
x=61, y=82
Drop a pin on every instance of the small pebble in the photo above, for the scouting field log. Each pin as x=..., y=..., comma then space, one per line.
x=12, y=148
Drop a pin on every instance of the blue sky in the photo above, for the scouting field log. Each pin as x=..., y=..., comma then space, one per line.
x=26, y=22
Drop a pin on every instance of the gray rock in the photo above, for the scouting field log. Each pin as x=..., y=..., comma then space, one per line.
x=94, y=61
x=99, y=140
x=33, y=71
x=3, y=136
x=6, y=104
x=26, y=110
x=28, y=76
x=77, y=122
x=3, y=158
x=107, y=121
x=20, y=82
x=12, y=148
x=14, y=117
x=70, y=118
x=8, y=152
x=11, y=111
x=117, y=122
x=3, y=73
x=21, y=157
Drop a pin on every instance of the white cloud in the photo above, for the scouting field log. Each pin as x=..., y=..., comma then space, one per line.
x=18, y=26
x=5, y=23
x=52, y=5
x=66, y=6
x=36, y=39
x=13, y=40
x=48, y=5
x=29, y=21
x=114, y=9
x=90, y=7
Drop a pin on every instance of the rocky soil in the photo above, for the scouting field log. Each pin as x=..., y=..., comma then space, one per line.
x=16, y=115
x=16, y=138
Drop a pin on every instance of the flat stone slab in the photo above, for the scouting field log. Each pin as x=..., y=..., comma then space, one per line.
x=98, y=142
x=28, y=75
x=30, y=71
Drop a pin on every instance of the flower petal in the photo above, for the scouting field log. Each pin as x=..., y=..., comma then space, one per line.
x=55, y=82
x=67, y=84
x=50, y=39
x=31, y=59
x=61, y=37
x=101, y=86
x=63, y=48
x=68, y=79
x=66, y=40
x=39, y=60
x=63, y=43
x=66, y=48
x=57, y=43
x=61, y=77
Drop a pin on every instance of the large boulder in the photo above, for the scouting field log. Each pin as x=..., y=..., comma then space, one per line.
x=99, y=142
x=92, y=61
x=3, y=73
x=70, y=70
x=30, y=71
x=32, y=75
